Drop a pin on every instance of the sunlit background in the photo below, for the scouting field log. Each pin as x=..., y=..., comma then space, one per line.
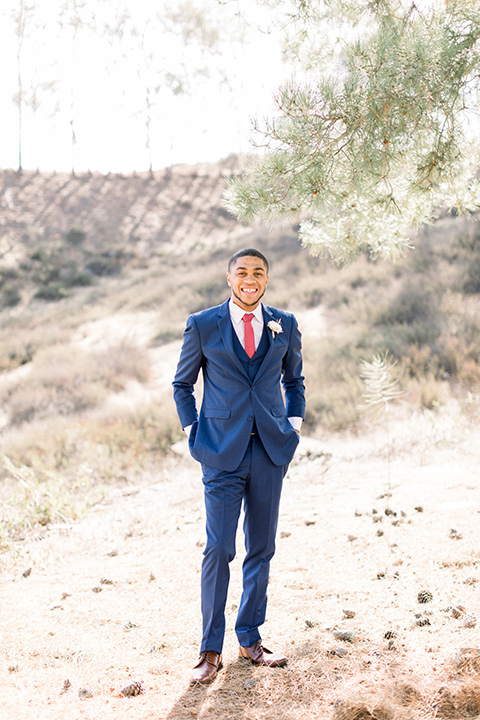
x=122, y=86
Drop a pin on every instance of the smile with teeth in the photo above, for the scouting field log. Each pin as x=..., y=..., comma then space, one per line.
x=249, y=290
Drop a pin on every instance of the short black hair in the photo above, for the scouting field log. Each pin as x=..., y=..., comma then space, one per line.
x=247, y=251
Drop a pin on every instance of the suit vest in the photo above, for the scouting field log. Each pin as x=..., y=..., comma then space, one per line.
x=251, y=365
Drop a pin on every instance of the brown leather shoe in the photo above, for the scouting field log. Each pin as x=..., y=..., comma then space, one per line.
x=209, y=663
x=259, y=655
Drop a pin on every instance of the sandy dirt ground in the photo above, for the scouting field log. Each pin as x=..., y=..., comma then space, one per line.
x=88, y=609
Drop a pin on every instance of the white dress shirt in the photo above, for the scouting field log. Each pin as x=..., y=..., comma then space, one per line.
x=236, y=316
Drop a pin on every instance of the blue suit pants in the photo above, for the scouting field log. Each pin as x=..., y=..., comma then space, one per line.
x=257, y=483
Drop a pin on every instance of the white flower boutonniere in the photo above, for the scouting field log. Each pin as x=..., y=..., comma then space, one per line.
x=275, y=326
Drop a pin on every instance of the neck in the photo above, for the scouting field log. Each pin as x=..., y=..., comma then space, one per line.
x=243, y=306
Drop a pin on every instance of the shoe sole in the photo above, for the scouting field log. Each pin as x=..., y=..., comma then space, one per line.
x=258, y=664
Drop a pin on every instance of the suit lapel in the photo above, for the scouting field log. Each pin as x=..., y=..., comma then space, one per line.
x=226, y=333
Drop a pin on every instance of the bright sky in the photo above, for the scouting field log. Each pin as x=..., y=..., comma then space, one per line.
x=207, y=123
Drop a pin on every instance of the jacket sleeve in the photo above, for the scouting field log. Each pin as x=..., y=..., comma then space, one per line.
x=293, y=379
x=189, y=364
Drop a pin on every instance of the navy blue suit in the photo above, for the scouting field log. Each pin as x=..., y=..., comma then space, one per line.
x=241, y=396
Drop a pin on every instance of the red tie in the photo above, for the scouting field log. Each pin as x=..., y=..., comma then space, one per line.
x=249, y=335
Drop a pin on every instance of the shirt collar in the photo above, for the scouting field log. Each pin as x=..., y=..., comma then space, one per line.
x=236, y=312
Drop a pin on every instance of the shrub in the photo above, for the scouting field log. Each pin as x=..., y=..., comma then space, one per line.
x=10, y=295
x=67, y=380
x=52, y=292
x=75, y=236
x=107, y=264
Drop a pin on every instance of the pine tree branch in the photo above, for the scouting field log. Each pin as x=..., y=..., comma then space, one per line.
x=380, y=148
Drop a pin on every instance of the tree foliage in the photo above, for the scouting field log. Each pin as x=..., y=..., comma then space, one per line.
x=382, y=130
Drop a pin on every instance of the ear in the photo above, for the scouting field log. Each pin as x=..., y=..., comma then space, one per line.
x=228, y=280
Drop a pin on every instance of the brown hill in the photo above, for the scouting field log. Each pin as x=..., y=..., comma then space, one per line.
x=171, y=211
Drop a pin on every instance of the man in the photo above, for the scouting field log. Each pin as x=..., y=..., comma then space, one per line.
x=244, y=438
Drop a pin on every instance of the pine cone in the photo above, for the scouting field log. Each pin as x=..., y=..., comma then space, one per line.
x=135, y=688
x=423, y=621
x=424, y=596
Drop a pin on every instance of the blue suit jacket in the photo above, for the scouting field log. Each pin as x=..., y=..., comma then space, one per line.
x=232, y=403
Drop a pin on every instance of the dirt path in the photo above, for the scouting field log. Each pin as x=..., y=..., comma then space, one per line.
x=93, y=606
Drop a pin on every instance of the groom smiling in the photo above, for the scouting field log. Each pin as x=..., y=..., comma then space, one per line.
x=244, y=436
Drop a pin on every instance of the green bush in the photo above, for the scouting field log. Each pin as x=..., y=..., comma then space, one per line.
x=52, y=292
x=75, y=236
x=10, y=295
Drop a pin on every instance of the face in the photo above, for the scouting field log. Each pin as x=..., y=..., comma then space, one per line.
x=248, y=281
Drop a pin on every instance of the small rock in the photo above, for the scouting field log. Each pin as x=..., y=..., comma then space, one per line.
x=106, y=581
x=129, y=626
x=152, y=577
x=27, y=572
x=388, y=511
x=310, y=522
x=13, y=668
x=390, y=634
x=337, y=652
x=113, y=553
x=454, y=534
x=457, y=611
x=351, y=538
x=470, y=621
x=424, y=596
x=97, y=589
x=348, y=614
x=85, y=693
x=285, y=534
x=344, y=635
x=309, y=624
x=470, y=581
x=419, y=509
